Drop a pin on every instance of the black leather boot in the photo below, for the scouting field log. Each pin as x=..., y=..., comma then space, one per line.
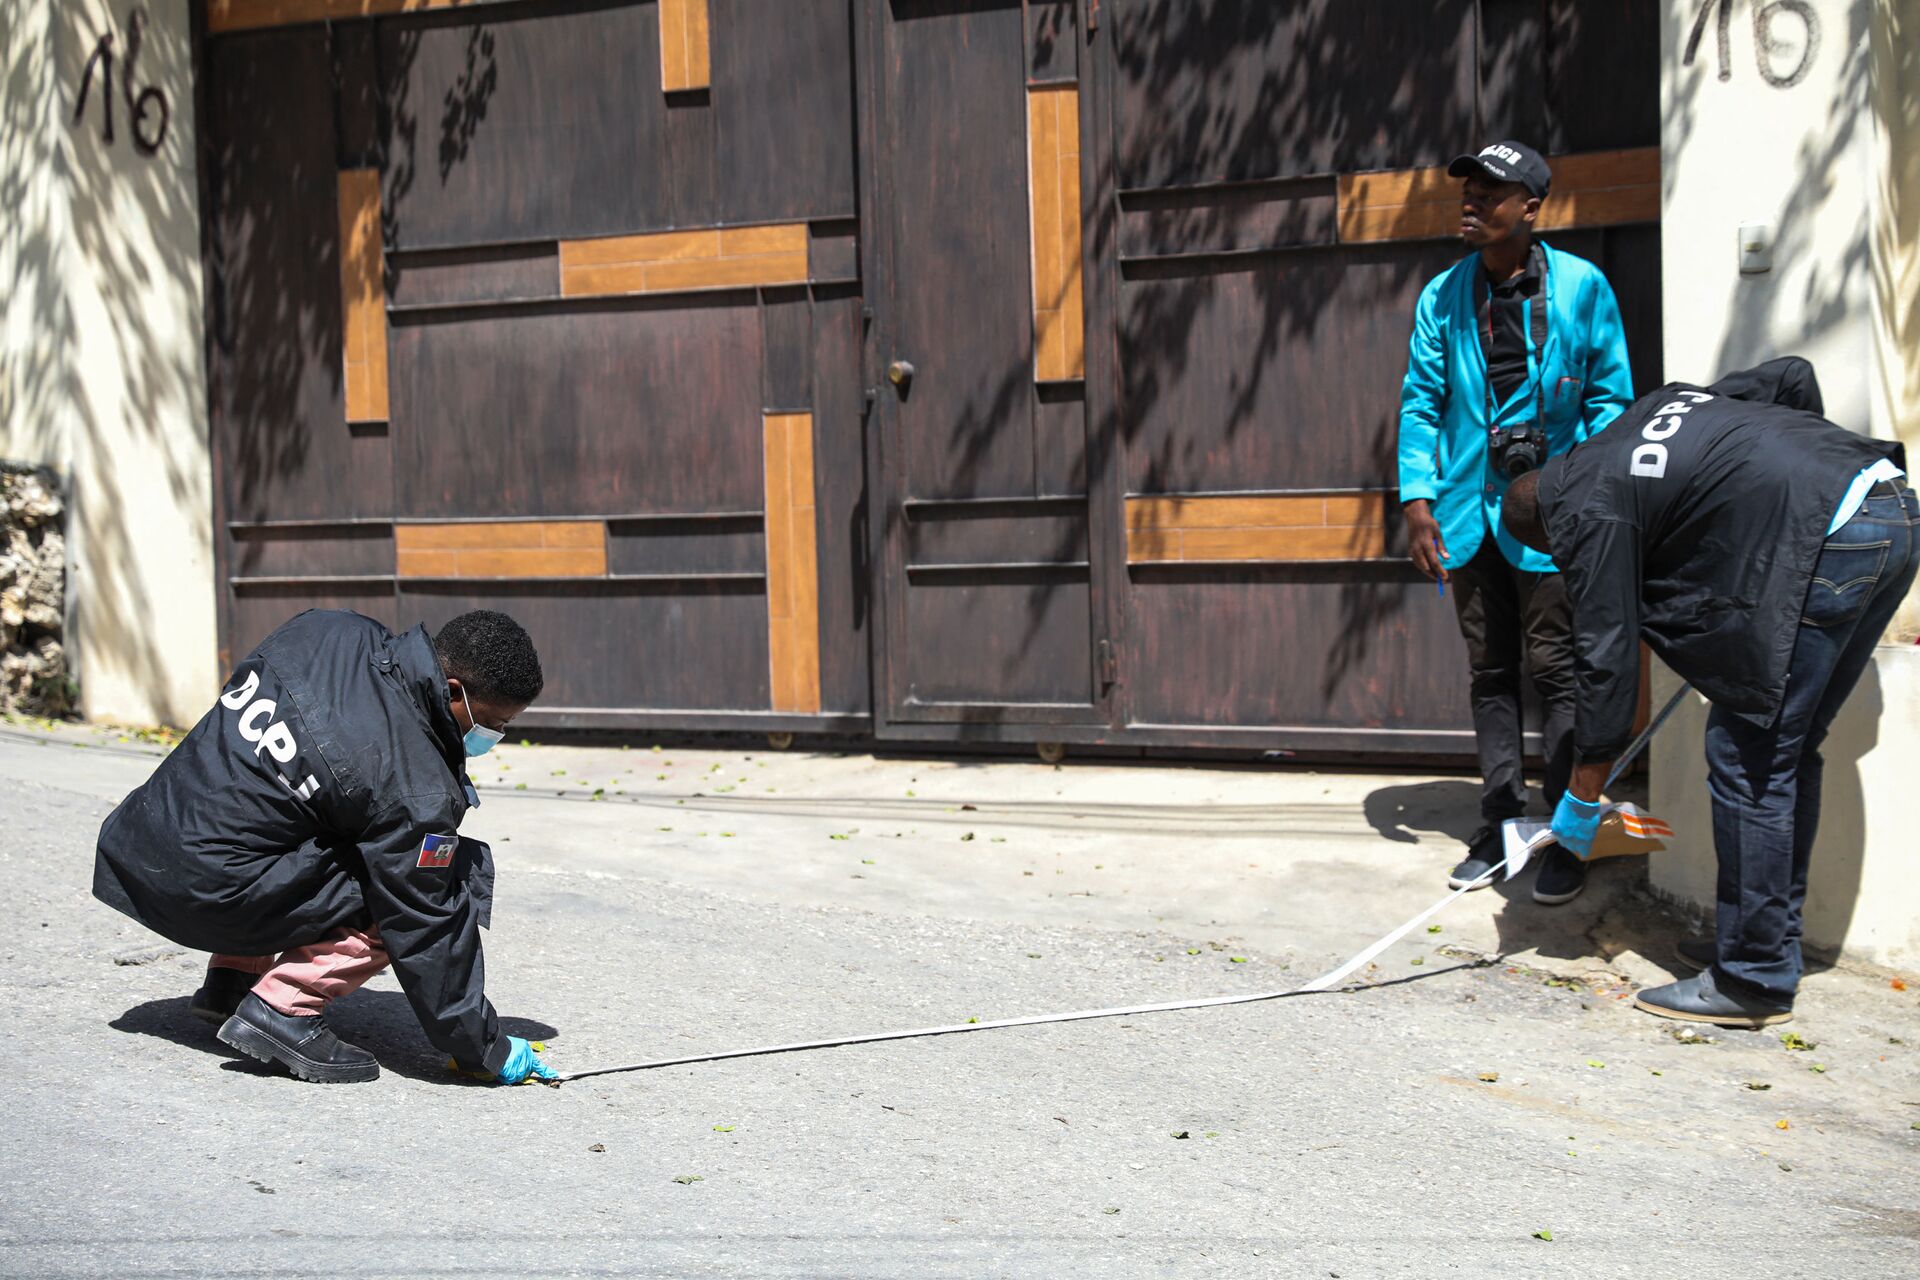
x=221, y=993
x=303, y=1045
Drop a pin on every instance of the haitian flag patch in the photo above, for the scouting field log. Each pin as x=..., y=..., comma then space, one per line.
x=438, y=851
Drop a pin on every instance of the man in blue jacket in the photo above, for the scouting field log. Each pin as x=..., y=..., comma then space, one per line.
x=1517, y=355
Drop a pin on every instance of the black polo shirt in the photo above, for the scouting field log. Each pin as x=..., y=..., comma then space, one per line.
x=1505, y=322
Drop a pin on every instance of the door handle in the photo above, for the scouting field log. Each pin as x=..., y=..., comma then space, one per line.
x=900, y=372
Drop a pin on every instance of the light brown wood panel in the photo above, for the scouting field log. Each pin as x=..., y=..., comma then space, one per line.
x=793, y=585
x=1593, y=189
x=657, y=246
x=363, y=297
x=1278, y=527
x=684, y=59
x=502, y=549
x=243, y=15
x=684, y=261
x=1053, y=165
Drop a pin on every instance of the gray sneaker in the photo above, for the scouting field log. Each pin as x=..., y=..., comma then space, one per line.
x=1484, y=852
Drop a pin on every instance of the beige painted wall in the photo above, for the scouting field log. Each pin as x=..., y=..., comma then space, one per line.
x=101, y=367
x=1831, y=162
x=1894, y=239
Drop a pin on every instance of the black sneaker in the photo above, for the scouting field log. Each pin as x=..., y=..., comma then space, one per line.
x=1485, y=851
x=301, y=1044
x=1702, y=999
x=1562, y=877
x=1695, y=954
x=221, y=993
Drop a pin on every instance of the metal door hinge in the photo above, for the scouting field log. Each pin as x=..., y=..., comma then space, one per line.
x=1106, y=662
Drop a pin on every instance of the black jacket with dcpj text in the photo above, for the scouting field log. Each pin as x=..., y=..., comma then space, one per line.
x=322, y=791
x=1694, y=520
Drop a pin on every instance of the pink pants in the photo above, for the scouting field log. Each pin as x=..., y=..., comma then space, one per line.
x=304, y=979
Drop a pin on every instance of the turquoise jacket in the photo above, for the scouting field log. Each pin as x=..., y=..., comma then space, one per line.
x=1583, y=384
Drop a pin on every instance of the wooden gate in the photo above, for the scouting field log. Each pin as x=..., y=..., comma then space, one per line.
x=936, y=369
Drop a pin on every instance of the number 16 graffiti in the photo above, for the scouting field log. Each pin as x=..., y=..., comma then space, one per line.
x=148, y=104
x=1768, y=46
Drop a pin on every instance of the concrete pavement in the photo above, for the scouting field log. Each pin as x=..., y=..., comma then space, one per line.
x=657, y=903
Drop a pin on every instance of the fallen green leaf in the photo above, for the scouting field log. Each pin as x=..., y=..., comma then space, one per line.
x=971, y=1021
x=1116, y=1210
x=1237, y=959
x=1489, y=1077
x=1182, y=1134
x=1211, y=1133
x=1758, y=1086
x=1193, y=951
x=1818, y=1069
x=724, y=1128
x=1418, y=960
x=837, y=836
x=1433, y=928
x=1033, y=955
x=1544, y=1235
x=688, y=1179
x=1595, y=1062
x=866, y=862
x=967, y=836
x=1794, y=1040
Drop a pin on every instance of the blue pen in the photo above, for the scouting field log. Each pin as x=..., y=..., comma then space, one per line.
x=1442, y=584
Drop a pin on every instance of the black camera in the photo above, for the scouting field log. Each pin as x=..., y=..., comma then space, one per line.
x=1517, y=449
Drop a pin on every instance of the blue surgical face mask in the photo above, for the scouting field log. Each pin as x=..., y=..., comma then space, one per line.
x=479, y=739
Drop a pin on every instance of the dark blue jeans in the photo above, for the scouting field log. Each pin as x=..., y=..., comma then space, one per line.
x=1765, y=783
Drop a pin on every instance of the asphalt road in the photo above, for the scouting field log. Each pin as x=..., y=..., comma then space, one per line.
x=692, y=908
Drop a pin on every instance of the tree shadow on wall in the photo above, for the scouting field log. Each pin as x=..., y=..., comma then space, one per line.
x=102, y=234
x=1280, y=367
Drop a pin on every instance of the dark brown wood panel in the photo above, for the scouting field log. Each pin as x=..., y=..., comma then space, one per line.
x=963, y=310
x=783, y=109
x=690, y=546
x=1053, y=41
x=1281, y=372
x=277, y=332
x=1312, y=648
x=323, y=551
x=1005, y=638
x=990, y=533
x=786, y=319
x=1237, y=90
x=1235, y=218
x=438, y=277
x=258, y=608
x=684, y=645
x=631, y=408
x=847, y=578
x=487, y=139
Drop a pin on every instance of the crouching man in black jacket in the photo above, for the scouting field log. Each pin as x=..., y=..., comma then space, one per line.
x=1761, y=550
x=312, y=813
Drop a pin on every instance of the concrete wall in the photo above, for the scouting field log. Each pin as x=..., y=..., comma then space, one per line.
x=1825, y=151
x=101, y=368
x=1894, y=238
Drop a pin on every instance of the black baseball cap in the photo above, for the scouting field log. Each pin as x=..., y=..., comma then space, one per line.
x=1507, y=161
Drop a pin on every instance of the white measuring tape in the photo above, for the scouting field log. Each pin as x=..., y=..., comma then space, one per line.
x=1325, y=982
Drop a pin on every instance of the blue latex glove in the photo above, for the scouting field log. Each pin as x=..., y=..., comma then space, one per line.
x=1575, y=822
x=523, y=1060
